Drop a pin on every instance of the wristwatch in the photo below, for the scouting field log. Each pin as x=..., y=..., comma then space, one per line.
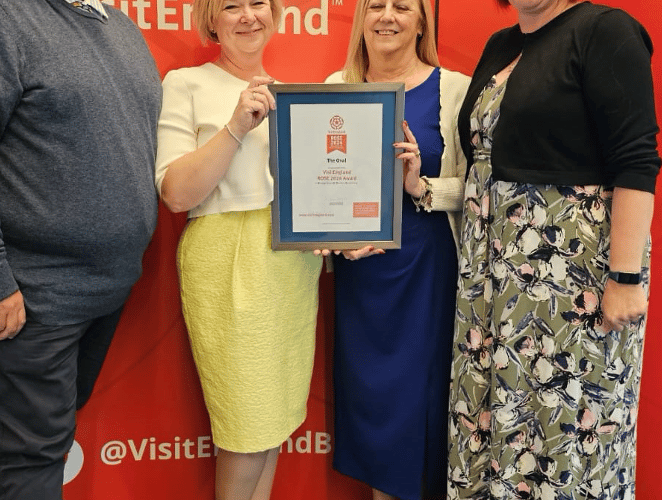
x=625, y=278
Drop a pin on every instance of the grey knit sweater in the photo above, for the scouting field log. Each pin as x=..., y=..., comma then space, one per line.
x=79, y=103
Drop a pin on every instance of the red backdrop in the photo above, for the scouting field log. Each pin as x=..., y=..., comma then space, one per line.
x=145, y=433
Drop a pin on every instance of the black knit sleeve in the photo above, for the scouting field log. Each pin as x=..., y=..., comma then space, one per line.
x=501, y=48
x=618, y=87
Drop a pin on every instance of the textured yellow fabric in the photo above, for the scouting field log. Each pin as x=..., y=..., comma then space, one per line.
x=251, y=315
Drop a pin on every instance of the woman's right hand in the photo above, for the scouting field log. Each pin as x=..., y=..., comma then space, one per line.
x=253, y=106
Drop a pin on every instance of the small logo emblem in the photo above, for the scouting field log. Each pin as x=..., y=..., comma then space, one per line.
x=336, y=122
x=73, y=462
x=336, y=139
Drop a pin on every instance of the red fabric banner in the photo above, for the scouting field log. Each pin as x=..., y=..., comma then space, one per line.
x=144, y=433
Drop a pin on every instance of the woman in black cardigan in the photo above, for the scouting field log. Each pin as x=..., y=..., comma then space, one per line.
x=559, y=124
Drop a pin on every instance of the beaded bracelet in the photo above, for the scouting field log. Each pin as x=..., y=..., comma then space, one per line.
x=425, y=200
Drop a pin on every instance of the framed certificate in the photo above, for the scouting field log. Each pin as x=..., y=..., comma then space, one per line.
x=337, y=183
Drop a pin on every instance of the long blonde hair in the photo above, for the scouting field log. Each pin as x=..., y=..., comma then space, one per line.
x=204, y=12
x=356, y=64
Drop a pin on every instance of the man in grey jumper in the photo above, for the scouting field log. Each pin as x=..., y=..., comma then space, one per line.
x=79, y=102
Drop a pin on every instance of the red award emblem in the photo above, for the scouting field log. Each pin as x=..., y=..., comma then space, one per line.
x=336, y=142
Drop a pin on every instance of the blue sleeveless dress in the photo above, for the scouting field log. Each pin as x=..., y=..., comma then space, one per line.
x=394, y=328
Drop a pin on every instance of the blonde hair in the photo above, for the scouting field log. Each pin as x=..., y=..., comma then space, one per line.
x=204, y=12
x=356, y=64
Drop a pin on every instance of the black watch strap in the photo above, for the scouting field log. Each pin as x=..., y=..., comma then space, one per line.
x=625, y=278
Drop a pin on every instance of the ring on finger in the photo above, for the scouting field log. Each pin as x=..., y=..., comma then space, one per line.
x=418, y=153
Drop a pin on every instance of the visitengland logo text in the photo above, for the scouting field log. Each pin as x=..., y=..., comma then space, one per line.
x=174, y=15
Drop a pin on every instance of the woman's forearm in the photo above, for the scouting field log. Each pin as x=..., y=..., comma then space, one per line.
x=191, y=178
x=631, y=216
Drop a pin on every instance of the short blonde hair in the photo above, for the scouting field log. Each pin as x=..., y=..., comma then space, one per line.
x=204, y=12
x=356, y=64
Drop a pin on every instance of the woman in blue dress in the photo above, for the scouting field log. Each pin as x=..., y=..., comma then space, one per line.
x=395, y=309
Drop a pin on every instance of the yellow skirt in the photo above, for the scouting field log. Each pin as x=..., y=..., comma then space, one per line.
x=251, y=315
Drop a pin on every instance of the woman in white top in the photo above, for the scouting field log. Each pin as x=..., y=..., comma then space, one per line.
x=250, y=312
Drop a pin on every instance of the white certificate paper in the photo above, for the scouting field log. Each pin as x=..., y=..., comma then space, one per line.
x=336, y=167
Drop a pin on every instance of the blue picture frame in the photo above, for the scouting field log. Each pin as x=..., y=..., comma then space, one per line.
x=391, y=97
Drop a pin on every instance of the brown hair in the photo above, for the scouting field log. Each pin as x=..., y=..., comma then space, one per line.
x=204, y=12
x=356, y=64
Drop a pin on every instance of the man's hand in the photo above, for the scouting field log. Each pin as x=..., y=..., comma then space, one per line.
x=12, y=315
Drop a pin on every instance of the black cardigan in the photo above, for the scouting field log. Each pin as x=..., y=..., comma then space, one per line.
x=579, y=106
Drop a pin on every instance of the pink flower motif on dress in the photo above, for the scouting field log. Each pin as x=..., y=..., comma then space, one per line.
x=588, y=201
x=480, y=207
x=529, y=281
x=585, y=310
x=586, y=432
x=477, y=349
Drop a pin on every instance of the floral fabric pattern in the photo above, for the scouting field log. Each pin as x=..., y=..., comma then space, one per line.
x=543, y=401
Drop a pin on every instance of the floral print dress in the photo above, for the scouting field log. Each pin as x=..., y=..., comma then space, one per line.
x=543, y=401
